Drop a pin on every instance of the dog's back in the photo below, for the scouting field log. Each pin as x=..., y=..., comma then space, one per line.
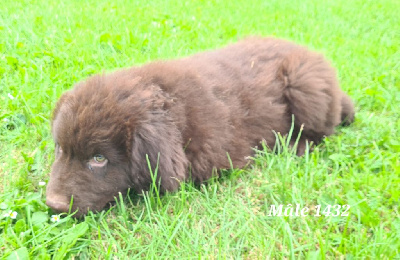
x=228, y=100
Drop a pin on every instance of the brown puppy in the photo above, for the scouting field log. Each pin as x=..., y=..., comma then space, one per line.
x=186, y=115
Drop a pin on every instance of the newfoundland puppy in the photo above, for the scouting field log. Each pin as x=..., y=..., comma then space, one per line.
x=187, y=118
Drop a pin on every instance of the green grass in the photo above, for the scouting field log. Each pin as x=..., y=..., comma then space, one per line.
x=47, y=46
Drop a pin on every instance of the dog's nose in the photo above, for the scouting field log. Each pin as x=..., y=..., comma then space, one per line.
x=57, y=205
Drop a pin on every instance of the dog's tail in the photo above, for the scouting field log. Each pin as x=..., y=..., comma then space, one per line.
x=313, y=95
x=348, y=113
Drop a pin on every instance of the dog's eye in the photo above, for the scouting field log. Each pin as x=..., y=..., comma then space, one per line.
x=98, y=165
x=99, y=158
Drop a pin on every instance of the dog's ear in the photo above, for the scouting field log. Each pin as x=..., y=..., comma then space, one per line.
x=63, y=99
x=159, y=139
x=63, y=104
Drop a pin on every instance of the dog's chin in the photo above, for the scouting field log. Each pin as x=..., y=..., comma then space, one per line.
x=82, y=212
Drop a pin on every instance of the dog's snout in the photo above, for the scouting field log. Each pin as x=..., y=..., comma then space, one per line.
x=57, y=203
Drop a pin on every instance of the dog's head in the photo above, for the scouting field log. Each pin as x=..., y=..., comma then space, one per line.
x=104, y=129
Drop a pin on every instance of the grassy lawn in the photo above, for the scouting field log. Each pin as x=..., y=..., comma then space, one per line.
x=47, y=46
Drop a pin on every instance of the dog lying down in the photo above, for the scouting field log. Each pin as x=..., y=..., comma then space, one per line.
x=186, y=115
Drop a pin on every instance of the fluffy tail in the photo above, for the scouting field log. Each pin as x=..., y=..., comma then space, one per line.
x=347, y=115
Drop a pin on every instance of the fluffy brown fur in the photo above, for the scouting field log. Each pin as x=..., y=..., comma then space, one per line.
x=187, y=115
